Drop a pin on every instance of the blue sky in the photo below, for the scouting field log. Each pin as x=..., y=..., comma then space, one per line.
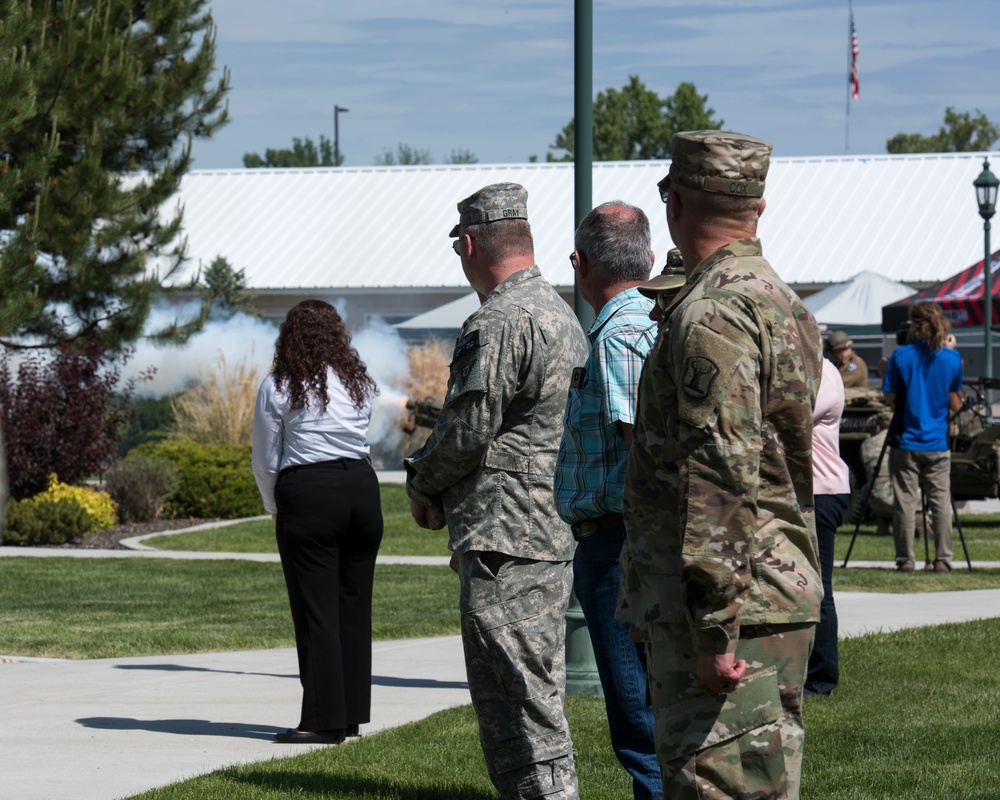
x=497, y=78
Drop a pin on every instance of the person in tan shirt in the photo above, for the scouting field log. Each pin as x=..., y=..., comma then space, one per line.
x=852, y=368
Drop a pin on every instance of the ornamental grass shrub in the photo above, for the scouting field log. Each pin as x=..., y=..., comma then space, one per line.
x=140, y=485
x=218, y=407
x=214, y=481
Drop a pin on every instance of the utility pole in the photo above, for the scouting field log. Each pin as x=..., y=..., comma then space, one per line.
x=337, y=111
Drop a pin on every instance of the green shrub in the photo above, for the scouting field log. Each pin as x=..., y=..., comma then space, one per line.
x=140, y=485
x=99, y=506
x=41, y=520
x=215, y=479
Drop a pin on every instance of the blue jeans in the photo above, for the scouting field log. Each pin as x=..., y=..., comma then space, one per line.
x=621, y=663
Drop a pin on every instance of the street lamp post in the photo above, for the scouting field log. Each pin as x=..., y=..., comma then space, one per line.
x=986, y=196
x=337, y=111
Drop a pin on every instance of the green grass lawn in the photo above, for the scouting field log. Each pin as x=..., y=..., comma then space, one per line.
x=916, y=715
x=402, y=537
x=102, y=608
x=981, y=531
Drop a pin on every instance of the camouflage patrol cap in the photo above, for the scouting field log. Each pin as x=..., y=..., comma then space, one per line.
x=491, y=203
x=838, y=340
x=722, y=162
x=671, y=279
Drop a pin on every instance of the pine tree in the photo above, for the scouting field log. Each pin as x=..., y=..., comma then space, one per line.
x=104, y=99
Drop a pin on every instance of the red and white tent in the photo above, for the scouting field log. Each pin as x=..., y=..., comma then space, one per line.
x=961, y=297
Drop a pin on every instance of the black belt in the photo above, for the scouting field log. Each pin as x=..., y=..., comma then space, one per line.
x=581, y=530
x=337, y=463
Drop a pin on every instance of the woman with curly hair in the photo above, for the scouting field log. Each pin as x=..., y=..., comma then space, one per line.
x=923, y=383
x=310, y=459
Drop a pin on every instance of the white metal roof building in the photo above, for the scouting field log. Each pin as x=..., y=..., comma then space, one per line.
x=377, y=238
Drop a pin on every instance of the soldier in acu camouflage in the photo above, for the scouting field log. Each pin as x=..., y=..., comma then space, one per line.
x=487, y=471
x=718, y=494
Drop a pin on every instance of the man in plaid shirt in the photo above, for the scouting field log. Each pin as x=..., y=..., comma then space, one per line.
x=612, y=258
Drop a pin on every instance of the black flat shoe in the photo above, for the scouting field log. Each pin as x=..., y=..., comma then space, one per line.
x=293, y=736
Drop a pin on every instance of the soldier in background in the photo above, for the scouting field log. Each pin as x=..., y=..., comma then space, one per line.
x=880, y=501
x=664, y=288
x=487, y=472
x=852, y=367
x=718, y=494
x=612, y=258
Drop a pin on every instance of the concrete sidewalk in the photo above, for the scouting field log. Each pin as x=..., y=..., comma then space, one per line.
x=108, y=728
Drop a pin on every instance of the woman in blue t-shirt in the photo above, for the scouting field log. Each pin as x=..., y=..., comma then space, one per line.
x=923, y=382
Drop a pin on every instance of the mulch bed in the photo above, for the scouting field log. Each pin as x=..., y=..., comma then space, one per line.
x=111, y=538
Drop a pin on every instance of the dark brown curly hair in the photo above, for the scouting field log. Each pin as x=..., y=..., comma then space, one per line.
x=928, y=322
x=312, y=338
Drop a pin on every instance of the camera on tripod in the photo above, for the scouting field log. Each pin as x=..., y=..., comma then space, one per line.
x=903, y=334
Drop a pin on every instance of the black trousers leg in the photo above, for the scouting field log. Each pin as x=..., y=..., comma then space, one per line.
x=329, y=530
x=824, y=664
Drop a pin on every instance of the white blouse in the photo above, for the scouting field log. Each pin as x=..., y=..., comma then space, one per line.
x=287, y=437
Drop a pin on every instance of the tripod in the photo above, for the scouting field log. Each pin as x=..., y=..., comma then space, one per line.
x=923, y=511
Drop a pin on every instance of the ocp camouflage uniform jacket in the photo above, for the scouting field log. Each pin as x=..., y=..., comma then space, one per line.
x=718, y=494
x=492, y=453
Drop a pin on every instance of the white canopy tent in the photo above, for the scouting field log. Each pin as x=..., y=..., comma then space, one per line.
x=856, y=302
x=448, y=317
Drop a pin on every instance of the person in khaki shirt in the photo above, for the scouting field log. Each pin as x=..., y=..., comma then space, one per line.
x=852, y=368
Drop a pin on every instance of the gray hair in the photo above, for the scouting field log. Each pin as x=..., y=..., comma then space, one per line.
x=616, y=241
x=503, y=239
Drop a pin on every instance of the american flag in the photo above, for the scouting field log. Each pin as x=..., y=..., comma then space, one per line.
x=855, y=83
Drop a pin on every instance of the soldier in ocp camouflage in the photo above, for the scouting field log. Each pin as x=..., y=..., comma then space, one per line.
x=718, y=496
x=489, y=465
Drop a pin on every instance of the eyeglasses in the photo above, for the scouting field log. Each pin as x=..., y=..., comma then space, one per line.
x=457, y=246
x=572, y=260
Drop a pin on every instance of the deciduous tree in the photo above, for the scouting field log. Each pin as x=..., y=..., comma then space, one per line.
x=961, y=133
x=403, y=155
x=303, y=153
x=62, y=411
x=635, y=123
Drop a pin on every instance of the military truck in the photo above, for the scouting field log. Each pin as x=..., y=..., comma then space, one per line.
x=975, y=449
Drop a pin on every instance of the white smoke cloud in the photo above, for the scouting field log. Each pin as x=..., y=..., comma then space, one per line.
x=384, y=353
x=250, y=340
x=240, y=339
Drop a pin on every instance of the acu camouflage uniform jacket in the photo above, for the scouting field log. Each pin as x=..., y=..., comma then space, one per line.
x=492, y=453
x=718, y=495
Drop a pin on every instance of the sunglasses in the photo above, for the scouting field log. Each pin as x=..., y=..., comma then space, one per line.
x=457, y=246
x=572, y=260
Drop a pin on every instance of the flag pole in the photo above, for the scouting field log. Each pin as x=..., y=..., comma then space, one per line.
x=850, y=65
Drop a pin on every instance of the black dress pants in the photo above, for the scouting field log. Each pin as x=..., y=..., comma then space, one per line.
x=329, y=529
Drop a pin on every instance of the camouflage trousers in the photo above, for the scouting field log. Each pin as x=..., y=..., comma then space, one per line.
x=513, y=634
x=746, y=745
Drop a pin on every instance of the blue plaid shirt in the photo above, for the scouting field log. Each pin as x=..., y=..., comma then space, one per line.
x=590, y=472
